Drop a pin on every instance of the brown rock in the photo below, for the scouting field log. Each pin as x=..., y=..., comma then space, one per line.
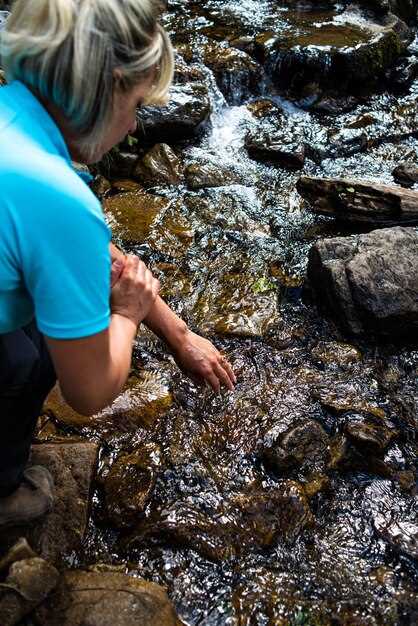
x=61, y=532
x=303, y=445
x=406, y=174
x=129, y=485
x=360, y=201
x=27, y=585
x=160, y=166
x=336, y=352
x=106, y=599
x=203, y=176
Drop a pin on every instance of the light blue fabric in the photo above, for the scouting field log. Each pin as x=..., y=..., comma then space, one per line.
x=54, y=242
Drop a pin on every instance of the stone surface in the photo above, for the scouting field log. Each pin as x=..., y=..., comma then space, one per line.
x=61, y=532
x=160, y=166
x=369, y=283
x=359, y=201
x=281, y=149
x=27, y=585
x=106, y=599
x=55, y=406
x=20, y=551
x=337, y=353
x=185, y=114
x=368, y=433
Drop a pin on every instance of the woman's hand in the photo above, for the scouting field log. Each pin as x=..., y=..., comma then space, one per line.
x=199, y=358
x=134, y=288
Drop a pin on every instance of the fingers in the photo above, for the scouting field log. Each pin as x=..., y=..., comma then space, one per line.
x=116, y=271
x=228, y=368
x=223, y=376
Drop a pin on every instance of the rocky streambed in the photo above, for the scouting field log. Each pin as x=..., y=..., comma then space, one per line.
x=275, y=197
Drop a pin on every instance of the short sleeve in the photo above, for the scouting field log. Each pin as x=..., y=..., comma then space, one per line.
x=64, y=255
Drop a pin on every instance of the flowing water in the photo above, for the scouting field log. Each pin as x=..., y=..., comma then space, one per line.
x=238, y=540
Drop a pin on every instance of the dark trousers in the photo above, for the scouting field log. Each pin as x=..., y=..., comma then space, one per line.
x=26, y=377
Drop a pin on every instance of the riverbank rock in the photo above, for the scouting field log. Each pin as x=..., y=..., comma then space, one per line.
x=204, y=175
x=369, y=283
x=360, y=202
x=60, y=533
x=183, y=117
x=106, y=599
x=27, y=585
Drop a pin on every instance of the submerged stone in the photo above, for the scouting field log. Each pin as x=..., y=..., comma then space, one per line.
x=132, y=215
x=200, y=176
x=129, y=485
x=304, y=445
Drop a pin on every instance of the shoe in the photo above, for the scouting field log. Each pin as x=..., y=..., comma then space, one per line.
x=32, y=499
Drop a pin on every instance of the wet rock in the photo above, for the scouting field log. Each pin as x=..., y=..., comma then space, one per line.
x=132, y=215
x=199, y=176
x=281, y=513
x=233, y=304
x=360, y=202
x=406, y=174
x=106, y=599
x=257, y=519
x=401, y=77
x=122, y=185
x=333, y=105
x=224, y=209
x=281, y=149
x=184, y=116
x=129, y=485
x=302, y=446
x=352, y=52
x=405, y=9
x=144, y=399
x=264, y=108
x=345, y=457
x=334, y=352
x=61, y=532
x=366, y=285
x=236, y=73
x=160, y=166
x=27, y=585
x=338, y=401
x=369, y=433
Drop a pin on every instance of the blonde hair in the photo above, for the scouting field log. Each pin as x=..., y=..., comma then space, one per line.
x=74, y=53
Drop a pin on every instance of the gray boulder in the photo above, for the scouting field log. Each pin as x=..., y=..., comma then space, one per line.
x=369, y=283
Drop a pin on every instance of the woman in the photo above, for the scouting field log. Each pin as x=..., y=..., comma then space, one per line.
x=70, y=303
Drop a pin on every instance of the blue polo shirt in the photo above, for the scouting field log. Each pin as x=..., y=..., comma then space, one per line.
x=54, y=242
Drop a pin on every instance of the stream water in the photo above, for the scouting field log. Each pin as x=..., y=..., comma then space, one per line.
x=238, y=540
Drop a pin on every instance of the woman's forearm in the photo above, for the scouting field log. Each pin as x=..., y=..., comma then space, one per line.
x=162, y=321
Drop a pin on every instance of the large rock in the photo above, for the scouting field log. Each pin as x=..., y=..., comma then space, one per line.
x=369, y=283
x=360, y=202
x=185, y=114
x=27, y=585
x=106, y=599
x=61, y=532
x=349, y=52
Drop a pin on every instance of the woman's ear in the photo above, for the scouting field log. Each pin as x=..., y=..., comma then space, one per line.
x=117, y=76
